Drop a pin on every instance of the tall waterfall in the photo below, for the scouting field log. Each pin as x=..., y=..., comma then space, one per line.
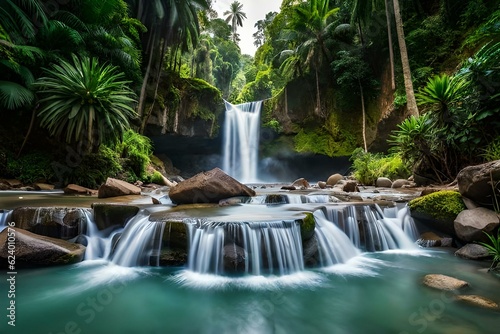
x=241, y=140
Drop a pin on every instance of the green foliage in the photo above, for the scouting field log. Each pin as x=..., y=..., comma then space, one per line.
x=493, y=248
x=370, y=166
x=156, y=177
x=136, y=150
x=85, y=101
x=273, y=124
x=492, y=151
x=94, y=168
x=30, y=168
x=442, y=205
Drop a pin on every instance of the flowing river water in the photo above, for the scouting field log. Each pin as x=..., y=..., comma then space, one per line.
x=366, y=289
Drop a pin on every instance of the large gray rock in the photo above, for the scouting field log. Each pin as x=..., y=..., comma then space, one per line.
x=62, y=223
x=443, y=282
x=208, y=187
x=470, y=224
x=33, y=249
x=474, y=182
x=383, y=182
x=473, y=252
x=115, y=187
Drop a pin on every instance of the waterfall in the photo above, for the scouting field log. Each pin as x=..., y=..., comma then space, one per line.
x=139, y=243
x=345, y=218
x=241, y=140
x=4, y=218
x=334, y=245
x=99, y=243
x=255, y=248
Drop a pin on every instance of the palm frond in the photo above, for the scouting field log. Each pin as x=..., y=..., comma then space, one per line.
x=14, y=95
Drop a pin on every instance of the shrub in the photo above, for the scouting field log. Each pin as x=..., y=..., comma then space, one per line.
x=492, y=151
x=369, y=166
x=136, y=150
x=30, y=168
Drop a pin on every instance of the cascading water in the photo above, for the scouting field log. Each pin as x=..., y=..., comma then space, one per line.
x=4, y=218
x=334, y=245
x=241, y=140
x=345, y=218
x=255, y=248
x=140, y=242
x=99, y=243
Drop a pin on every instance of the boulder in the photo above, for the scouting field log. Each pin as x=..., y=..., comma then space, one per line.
x=400, y=183
x=106, y=215
x=62, y=223
x=443, y=282
x=383, y=182
x=477, y=301
x=473, y=252
x=474, y=182
x=322, y=184
x=36, y=250
x=350, y=186
x=74, y=189
x=470, y=224
x=301, y=184
x=208, y=187
x=311, y=252
x=115, y=187
x=13, y=183
x=431, y=239
x=333, y=179
x=288, y=187
x=234, y=258
x=276, y=199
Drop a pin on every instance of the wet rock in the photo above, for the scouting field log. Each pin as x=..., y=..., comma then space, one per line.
x=310, y=252
x=400, y=183
x=470, y=224
x=383, y=182
x=208, y=187
x=473, y=252
x=350, y=186
x=175, y=236
x=478, y=301
x=74, y=189
x=62, y=223
x=474, y=182
x=276, y=199
x=234, y=258
x=333, y=179
x=431, y=239
x=443, y=282
x=322, y=184
x=301, y=184
x=115, y=187
x=106, y=215
x=288, y=187
x=169, y=257
x=36, y=250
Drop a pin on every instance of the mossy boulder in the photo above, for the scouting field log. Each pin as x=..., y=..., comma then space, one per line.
x=438, y=210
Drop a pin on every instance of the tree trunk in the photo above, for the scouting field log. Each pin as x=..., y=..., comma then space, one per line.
x=364, y=114
x=32, y=122
x=411, y=103
x=318, y=99
x=142, y=96
x=389, y=37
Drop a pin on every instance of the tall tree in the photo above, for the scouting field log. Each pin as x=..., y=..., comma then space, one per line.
x=311, y=25
x=235, y=15
x=411, y=103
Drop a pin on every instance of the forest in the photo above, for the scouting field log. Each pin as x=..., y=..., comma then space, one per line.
x=82, y=80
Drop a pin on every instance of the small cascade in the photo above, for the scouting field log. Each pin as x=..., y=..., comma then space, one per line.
x=345, y=218
x=99, y=243
x=334, y=245
x=383, y=233
x=255, y=248
x=241, y=140
x=140, y=242
x=4, y=218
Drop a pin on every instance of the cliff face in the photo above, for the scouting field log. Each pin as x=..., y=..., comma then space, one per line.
x=186, y=107
x=335, y=129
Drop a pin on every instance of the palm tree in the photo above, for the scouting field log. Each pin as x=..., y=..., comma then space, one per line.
x=83, y=100
x=236, y=17
x=411, y=103
x=310, y=23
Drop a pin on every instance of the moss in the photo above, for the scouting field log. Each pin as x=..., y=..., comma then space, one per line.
x=442, y=205
x=307, y=226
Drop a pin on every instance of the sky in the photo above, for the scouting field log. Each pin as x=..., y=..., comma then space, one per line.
x=255, y=10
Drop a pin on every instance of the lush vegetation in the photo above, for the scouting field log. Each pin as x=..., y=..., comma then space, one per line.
x=83, y=80
x=493, y=249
